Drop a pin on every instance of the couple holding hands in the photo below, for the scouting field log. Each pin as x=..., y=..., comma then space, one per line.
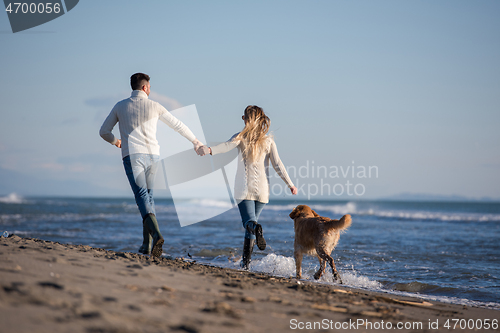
x=137, y=118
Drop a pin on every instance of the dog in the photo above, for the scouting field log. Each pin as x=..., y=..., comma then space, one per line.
x=316, y=235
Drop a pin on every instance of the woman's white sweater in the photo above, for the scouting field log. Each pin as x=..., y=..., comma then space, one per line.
x=252, y=179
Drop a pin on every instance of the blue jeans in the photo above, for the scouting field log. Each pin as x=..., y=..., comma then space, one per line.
x=141, y=170
x=250, y=211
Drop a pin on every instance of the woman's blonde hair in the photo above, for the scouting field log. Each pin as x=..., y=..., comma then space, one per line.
x=254, y=135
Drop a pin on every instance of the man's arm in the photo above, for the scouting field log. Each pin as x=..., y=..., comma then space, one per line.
x=107, y=127
x=180, y=128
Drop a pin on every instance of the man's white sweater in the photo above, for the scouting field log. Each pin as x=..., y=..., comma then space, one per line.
x=137, y=118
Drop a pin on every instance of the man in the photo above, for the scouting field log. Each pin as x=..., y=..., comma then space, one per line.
x=138, y=117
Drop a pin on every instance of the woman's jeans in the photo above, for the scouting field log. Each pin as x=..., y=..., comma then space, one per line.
x=250, y=211
x=141, y=170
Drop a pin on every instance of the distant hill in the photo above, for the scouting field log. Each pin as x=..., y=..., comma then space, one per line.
x=435, y=197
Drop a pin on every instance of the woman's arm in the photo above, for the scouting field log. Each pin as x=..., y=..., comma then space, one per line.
x=225, y=146
x=280, y=168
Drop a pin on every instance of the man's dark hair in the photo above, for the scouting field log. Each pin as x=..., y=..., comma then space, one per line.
x=138, y=80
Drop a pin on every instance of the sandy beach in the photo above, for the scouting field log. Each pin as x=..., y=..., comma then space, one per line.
x=52, y=287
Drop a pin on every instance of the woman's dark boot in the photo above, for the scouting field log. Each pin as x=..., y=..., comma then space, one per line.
x=157, y=240
x=146, y=240
x=247, y=253
x=256, y=229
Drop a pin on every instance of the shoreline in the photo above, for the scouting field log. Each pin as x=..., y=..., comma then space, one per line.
x=53, y=287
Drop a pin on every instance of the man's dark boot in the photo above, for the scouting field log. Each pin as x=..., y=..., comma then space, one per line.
x=247, y=253
x=146, y=240
x=256, y=229
x=153, y=229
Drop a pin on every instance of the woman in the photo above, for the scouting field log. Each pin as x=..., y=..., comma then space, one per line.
x=252, y=183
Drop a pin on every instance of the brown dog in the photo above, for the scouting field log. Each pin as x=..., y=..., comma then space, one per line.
x=316, y=235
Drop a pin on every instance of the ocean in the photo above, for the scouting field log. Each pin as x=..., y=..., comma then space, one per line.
x=443, y=251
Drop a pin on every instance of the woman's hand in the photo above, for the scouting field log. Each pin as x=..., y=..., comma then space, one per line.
x=294, y=190
x=118, y=143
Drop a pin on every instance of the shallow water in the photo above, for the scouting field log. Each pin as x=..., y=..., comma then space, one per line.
x=439, y=251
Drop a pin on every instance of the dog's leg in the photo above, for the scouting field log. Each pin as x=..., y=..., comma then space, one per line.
x=323, y=255
x=336, y=274
x=298, y=263
x=321, y=270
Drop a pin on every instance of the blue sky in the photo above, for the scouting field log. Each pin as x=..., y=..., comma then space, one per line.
x=411, y=87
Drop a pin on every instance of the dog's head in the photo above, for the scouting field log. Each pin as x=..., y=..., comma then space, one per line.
x=302, y=211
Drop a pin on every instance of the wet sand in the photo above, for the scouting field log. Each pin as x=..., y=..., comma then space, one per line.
x=52, y=287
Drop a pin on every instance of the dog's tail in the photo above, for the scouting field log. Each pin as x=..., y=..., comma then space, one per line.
x=342, y=224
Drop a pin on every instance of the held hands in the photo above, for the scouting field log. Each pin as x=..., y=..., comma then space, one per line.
x=203, y=150
x=197, y=145
x=200, y=148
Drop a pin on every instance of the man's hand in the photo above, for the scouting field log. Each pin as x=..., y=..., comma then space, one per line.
x=294, y=190
x=118, y=143
x=203, y=150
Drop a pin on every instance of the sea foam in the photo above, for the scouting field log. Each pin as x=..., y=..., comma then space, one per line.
x=13, y=198
x=279, y=265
